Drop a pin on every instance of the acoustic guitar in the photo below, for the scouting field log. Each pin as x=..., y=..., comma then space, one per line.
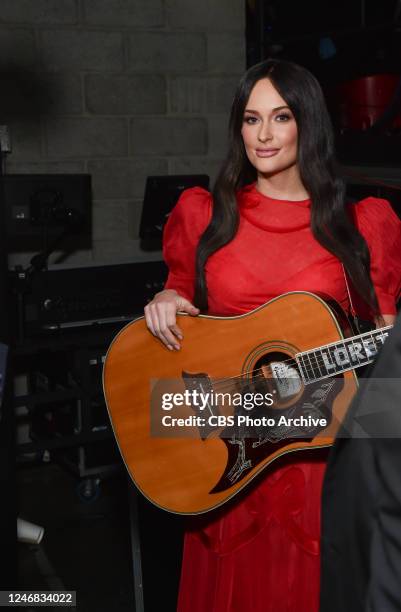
x=195, y=426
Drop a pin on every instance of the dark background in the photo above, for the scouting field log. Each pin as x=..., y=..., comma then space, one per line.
x=117, y=91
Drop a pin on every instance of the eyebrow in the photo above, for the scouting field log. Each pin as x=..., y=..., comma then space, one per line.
x=248, y=110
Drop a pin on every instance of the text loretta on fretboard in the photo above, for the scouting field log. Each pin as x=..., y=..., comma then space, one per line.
x=337, y=357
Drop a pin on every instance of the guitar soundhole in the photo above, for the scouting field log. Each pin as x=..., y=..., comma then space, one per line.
x=278, y=372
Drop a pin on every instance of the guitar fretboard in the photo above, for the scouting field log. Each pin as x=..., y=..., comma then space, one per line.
x=337, y=357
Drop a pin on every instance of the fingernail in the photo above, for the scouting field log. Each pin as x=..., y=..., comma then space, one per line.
x=169, y=347
x=177, y=347
x=179, y=336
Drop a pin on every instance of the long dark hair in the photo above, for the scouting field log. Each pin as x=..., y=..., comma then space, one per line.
x=330, y=222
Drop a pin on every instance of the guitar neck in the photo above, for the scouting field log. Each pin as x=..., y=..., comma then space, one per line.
x=341, y=356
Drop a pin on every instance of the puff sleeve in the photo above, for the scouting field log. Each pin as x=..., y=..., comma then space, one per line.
x=381, y=228
x=186, y=224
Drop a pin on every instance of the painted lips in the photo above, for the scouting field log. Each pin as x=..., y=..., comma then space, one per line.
x=266, y=152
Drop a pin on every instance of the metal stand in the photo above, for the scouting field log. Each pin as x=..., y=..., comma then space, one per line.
x=135, y=547
x=8, y=519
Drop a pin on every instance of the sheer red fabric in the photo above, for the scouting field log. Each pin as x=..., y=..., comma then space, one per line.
x=261, y=553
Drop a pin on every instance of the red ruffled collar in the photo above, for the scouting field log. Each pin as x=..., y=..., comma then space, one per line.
x=271, y=214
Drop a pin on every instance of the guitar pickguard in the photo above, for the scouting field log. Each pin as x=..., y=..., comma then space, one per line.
x=249, y=446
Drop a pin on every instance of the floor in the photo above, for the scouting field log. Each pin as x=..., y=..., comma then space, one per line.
x=87, y=545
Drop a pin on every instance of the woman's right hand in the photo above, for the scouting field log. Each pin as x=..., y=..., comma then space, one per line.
x=160, y=315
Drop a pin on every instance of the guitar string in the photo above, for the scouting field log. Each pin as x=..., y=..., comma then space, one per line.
x=259, y=378
x=308, y=370
x=227, y=384
x=313, y=353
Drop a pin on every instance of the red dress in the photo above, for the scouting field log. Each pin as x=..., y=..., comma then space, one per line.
x=261, y=553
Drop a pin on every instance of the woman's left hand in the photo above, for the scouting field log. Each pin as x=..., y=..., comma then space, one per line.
x=388, y=320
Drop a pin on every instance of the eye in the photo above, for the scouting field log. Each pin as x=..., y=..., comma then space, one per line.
x=250, y=120
x=282, y=117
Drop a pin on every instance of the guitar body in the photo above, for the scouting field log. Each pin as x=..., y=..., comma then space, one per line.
x=200, y=470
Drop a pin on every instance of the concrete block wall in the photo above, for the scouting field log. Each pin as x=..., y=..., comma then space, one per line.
x=121, y=89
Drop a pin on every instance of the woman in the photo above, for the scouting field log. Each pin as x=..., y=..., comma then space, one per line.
x=277, y=222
